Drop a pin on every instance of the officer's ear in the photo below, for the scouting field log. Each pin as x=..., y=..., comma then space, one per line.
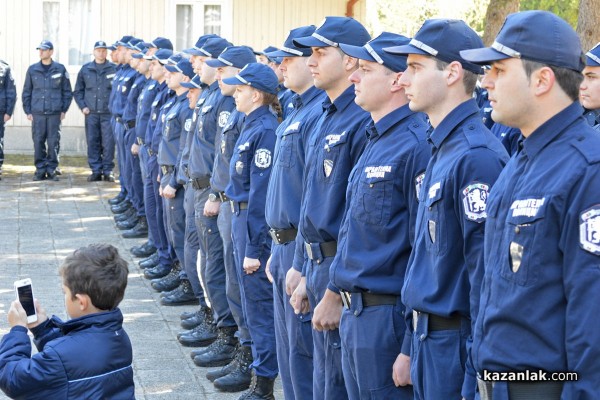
x=453, y=73
x=542, y=80
x=350, y=63
x=396, y=82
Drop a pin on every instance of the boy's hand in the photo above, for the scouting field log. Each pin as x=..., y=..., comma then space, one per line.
x=17, y=315
x=41, y=314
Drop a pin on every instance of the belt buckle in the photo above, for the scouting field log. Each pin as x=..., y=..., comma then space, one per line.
x=309, y=251
x=346, y=299
x=273, y=235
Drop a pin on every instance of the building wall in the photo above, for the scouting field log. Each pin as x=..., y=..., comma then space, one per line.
x=257, y=23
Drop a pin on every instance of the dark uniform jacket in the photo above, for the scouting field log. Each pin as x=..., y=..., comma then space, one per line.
x=8, y=92
x=93, y=86
x=47, y=92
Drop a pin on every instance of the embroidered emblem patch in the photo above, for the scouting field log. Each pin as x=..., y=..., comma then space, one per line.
x=223, y=117
x=474, y=201
x=188, y=124
x=262, y=158
x=239, y=167
x=589, y=230
x=327, y=167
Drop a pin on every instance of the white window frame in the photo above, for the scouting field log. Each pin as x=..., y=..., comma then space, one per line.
x=198, y=17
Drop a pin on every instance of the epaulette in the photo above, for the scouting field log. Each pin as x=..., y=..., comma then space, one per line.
x=474, y=136
x=588, y=145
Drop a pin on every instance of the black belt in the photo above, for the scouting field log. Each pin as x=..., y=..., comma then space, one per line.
x=223, y=197
x=200, y=183
x=328, y=249
x=129, y=124
x=167, y=169
x=438, y=323
x=140, y=141
x=523, y=390
x=282, y=236
x=240, y=205
x=369, y=299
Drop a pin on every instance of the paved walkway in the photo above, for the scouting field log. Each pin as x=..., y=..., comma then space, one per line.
x=41, y=223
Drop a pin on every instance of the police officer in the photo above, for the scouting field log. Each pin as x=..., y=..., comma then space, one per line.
x=284, y=94
x=589, y=91
x=47, y=96
x=444, y=273
x=334, y=147
x=92, y=90
x=541, y=287
x=284, y=195
x=376, y=235
x=8, y=99
x=237, y=377
x=250, y=168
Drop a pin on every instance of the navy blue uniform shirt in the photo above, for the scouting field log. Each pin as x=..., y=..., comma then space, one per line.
x=131, y=104
x=113, y=90
x=47, y=90
x=285, y=101
x=170, y=99
x=160, y=97
x=93, y=86
x=182, y=172
x=225, y=147
x=250, y=170
x=286, y=185
x=334, y=148
x=377, y=231
x=124, y=83
x=144, y=107
x=212, y=119
x=509, y=137
x=540, y=295
x=593, y=118
x=8, y=91
x=177, y=120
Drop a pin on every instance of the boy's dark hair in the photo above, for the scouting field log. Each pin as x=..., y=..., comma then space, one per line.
x=568, y=79
x=469, y=78
x=98, y=271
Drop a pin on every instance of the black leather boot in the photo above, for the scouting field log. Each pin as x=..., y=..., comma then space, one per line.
x=128, y=223
x=261, y=388
x=131, y=212
x=144, y=250
x=181, y=297
x=150, y=262
x=200, y=336
x=169, y=282
x=221, y=351
x=117, y=199
x=121, y=207
x=139, y=231
x=157, y=272
x=237, y=374
x=195, y=318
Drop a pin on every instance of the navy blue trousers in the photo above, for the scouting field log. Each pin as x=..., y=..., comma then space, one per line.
x=100, y=143
x=45, y=130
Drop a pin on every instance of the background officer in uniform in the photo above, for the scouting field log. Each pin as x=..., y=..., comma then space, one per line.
x=445, y=269
x=540, y=294
x=92, y=90
x=589, y=91
x=377, y=231
x=47, y=96
x=8, y=99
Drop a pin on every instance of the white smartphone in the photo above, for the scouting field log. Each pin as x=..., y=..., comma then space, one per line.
x=25, y=296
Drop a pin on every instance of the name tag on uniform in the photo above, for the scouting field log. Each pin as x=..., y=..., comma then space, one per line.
x=110, y=76
x=56, y=76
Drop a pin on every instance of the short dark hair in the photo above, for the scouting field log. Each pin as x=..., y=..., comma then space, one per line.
x=568, y=79
x=98, y=271
x=469, y=78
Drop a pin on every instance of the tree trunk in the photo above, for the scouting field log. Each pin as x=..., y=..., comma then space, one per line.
x=494, y=17
x=588, y=26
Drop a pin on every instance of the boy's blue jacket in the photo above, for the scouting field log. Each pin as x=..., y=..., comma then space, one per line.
x=84, y=358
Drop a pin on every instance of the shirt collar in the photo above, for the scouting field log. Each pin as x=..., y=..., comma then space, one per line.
x=550, y=129
x=462, y=112
x=388, y=121
x=256, y=114
x=307, y=96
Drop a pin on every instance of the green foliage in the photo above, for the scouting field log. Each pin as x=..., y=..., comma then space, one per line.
x=566, y=9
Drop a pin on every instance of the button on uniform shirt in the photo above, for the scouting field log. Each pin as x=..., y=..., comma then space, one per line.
x=540, y=295
x=377, y=231
x=131, y=104
x=8, y=91
x=177, y=120
x=286, y=185
x=47, y=90
x=93, y=86
x=212, y=119
x=334, y=148
x=250, y=169
x=144, y=106
x=124, y=84
x=225, y=146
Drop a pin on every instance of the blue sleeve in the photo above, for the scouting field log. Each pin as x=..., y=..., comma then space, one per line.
x=11, y=93
x=79, y=92
x=27, y=89
x=260, y=171
x=67, y=93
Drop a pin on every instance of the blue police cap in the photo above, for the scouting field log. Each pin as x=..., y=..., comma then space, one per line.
x=233, y=56
x=536, y=36
x=213, y=47
x=268, y=49
x=336, y=30
x=160, y=43
x=373, y=51
x=45, y=45
x=100, y=44
x=593, y=56
x=141, y=54
x=195, y=83
x=257, y=75
x=195, y=51
x=113, y=46
x=123, y=41
x=184, y=66
x=175, y=58
x=443, y=39
x=289, y=49
x=162, y=55
x=133, y=42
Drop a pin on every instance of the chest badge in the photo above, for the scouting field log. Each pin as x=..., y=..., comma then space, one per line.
x=516, y=255
x=431, y=228
x=327, y=167
x=239, y=167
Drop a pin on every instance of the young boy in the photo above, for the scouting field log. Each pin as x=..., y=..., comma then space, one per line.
x=88, y=356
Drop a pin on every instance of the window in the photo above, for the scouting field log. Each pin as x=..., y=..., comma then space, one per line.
x=192, y=18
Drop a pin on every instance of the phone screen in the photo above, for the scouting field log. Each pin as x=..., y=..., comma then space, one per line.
x=26, y=299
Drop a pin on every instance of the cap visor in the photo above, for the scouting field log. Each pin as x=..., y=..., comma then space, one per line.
x=232, y=81
x=281, y=53
x=405, y=49
x=484, y=55
x=309, y=41
x=189, y=85
x=357, y=52
x=172, y=68
x=215, y=63
x=138, y=55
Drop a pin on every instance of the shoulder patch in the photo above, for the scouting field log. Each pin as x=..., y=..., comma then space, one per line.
x=262, y=158
x=589, y=230
x=188, y=124
x=474, y=201
x=223, y=117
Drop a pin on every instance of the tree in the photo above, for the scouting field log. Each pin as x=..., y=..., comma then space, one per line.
x=587, y=23
x=494, y=17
